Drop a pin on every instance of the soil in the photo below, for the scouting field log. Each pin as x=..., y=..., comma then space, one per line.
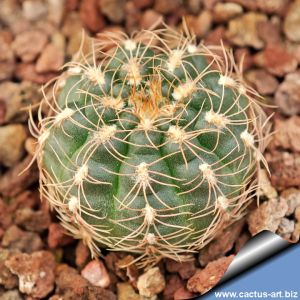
x=38, y=260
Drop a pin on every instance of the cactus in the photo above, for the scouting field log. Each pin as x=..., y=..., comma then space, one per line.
x=150, y=144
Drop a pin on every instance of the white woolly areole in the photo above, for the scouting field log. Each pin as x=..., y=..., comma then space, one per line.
x=149, y=213
x=111, y=102
x=63, y=115
x=73, y=204
x=150, y=238
x=130, y=45
x=81, y=174
x=226, y=81
x=175, y=60
x=219, y=120
x=176, y=134
x=95, y=75
x=208, y=173
x=223, y=202
x=184, y=90
x=142, y=174
x=247, y=138
x=74, y=70
x=105, y=133
x=132, y=68
x=146, y=124
x=192, y=48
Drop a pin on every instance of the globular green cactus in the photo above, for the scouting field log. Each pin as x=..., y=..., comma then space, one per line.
x=150, y=145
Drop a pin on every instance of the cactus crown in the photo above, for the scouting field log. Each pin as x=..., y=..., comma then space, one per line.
x=150, y=145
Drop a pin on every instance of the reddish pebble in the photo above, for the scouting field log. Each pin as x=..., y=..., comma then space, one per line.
x=96, y=273
x=57, y=236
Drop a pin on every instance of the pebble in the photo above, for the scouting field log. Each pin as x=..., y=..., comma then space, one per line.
x=267, y=216
x=91, y=16
x=270, y=32
x=201, y=24
x=291, y=24
x=183, y=294
x=5, y=216
x=32, y=220
x=207, y=278
x=285, y=169
x=151, y=283
x=286, y=228
x=143, y=3
x=273, y=6
x=166, y=6
x=262, y=81
x=194, y=6
x=113, y=9
x=14, y=182
x=223, y=12
x=51, y=59
x=287, y=96
x=56, y=9
x=265, y=187
x=243, y=30
x=95, y=272
x=222, y=244
x=34, y=10
x=11, y=295
x=29, y=44
x=7, y=59
x=12, y=138
x=7, y=279
x=277, y=60
x=126, y=292
x=173, y=284
x=82, y=254
x=149, y=18
x=35, y=272
x=292, y=198
x=16, y=239
x=184, y=269
x=248, y=4
x=286, y=139
x=57, y=236
x=126, y=265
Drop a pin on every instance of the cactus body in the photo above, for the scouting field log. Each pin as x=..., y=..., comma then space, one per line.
x=150, y=148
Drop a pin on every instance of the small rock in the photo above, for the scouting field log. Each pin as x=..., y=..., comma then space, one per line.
x=201, y=24
x=143, y=3
x=284, y=168
x=72, y=24
x=56, y=11
x=29, y=44
x=166, y=6
x=243, y=58
x=51, y=59
x=126, y=292
x=26, y=71
x=90, y=15
x=151, y=283
x=57, y=236
x=16, y=239
x=5, y=216
x=82, y=254
x=267, y=216
x=287, y=96
x=214, y=36
x=297, y=214
x=133, y=16
x=173, y=284
x=11, y=295
x=75, y=42
x=194, y=6
x=7, y=59
x=113, y=9
x=7, y=279
x=96, y=273
x=35, y=272
x=223, y=12
x=185, y=269
x=270, y=32
x=12, y=138
x=207, y=278
x=263, y=82
x=149, y=18
x=32, y=220
x=14, y=182
x=210, y=4
x=291, y=24
x=127, y=263
x=243, y=31
x=248, y=4
x=272, y=6
x=34, y=10
x=222, y=244
x=276, y=60
x=286, y=227
x=286, y=139
x=292, y=198
x=183, y=294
